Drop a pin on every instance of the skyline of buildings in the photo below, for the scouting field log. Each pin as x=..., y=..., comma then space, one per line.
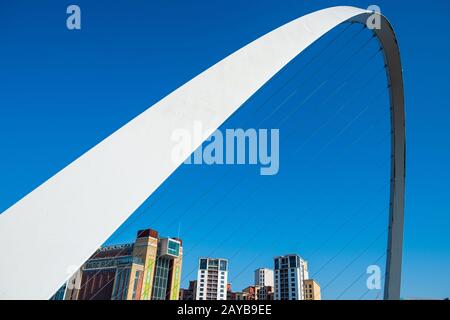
x=289, y=281
x=150, y=269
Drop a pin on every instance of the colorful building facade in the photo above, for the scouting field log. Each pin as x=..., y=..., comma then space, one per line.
x=148, y=269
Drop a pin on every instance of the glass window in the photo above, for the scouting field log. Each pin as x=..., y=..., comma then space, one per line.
x=223, y=265
x=161, y=279
x=136, y=280
x=203, y=264
x=213, y=263
x=293, y=261
x=173, y=248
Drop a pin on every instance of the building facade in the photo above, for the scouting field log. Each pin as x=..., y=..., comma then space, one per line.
x=212, y=279
x=291, y=271
x=265, y=293
x=167, y=273
x=189, y=293
x=264, y=277
x=312, y=290
x=253, y=293
x=148, y=269
x=250, y=293
x=264, y=283
x=230, y=294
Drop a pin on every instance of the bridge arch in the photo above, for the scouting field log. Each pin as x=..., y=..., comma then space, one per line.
x=110, y=181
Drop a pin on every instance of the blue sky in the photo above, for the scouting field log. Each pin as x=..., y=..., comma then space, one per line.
x=62, y=92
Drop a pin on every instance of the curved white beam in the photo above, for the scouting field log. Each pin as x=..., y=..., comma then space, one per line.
x=62, y=222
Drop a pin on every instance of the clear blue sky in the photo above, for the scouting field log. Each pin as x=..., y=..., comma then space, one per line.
x=62, y=92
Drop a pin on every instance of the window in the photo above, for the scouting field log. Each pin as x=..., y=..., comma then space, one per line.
x=292, y=261
x=213, y=263
x=203, y=264
x=223, y=265
x=136, y=280
x=161, y=278
x=173, y=247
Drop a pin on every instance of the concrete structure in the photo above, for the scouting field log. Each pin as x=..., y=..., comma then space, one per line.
x=212, y=279
x=311, y=290
x=291, y=271
x=148, y=269
x=264, y=277
x=97, y=186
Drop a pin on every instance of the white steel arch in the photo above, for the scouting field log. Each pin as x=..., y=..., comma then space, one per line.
x=62, y=222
